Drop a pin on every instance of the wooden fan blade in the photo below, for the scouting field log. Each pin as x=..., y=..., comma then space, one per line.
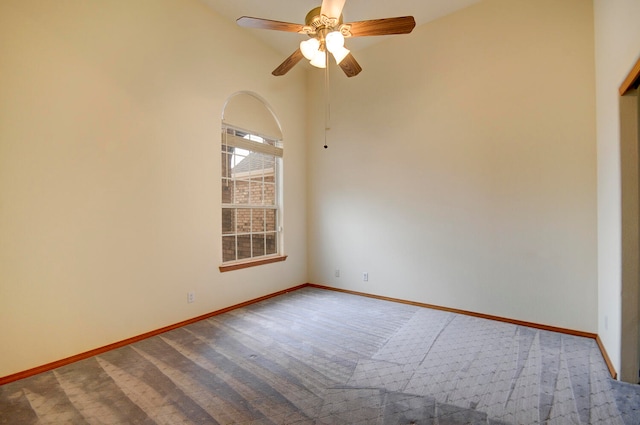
x=267, y=24
x=288, y=63
x=332, y=8
x=350, y=66
x=387, y=26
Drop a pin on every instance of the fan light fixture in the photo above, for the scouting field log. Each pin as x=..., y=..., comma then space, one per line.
x=313, y=50
x=335, y=44
x=327, y=31
x=309, y=47
x=319, y=59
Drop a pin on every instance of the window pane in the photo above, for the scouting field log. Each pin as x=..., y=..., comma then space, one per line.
x=271, y=244
x=257, y=165
x=228, y=220
x=258, y=245
x=248, y=181
x=256, y=193
x=244, y=247
x=270, y=220
x=269, y=194
x=239, y=162
x=228, y=248
x=226, y=165
x=243, y=220
x=268, y=170
x=257, y=220
x=241, y=193
x=227, y=191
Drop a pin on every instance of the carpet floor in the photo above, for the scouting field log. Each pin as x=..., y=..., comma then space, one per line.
x=315, y=356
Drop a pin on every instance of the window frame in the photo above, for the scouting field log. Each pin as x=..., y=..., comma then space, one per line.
x=232, y=138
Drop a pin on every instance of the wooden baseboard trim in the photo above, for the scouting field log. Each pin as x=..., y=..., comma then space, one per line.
x=605, y=356
x=63, y=362
x=573, y=332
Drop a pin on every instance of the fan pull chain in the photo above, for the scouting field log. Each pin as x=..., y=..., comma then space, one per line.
x=327, y=106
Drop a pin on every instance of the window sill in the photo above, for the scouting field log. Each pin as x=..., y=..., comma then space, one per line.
x=251, y=263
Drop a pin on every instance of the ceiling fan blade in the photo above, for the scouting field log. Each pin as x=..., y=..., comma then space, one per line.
x=350, y=66
x=288, y=63
x=332, y=8
x=386, y=26
x=267, y=24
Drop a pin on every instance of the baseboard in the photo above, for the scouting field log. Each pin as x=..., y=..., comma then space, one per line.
x=573, y=332
x=63, y=362
x=87, y=354
x=605, y=356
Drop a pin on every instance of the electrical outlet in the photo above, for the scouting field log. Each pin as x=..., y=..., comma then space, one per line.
x=337, y=274
x=365, y=276
x=191, y=297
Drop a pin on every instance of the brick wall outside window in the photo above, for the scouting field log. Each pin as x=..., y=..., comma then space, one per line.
x=249, y=198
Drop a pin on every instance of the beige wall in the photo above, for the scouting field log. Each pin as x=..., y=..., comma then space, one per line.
x=461, y=168
x=617, y=45
x=109, y=170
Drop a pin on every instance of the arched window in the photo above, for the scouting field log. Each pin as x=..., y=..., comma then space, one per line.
x=251, y=183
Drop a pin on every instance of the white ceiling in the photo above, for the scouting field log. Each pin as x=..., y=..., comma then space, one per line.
x=354, y=10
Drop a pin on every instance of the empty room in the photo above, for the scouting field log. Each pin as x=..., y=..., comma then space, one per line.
x=319, y=212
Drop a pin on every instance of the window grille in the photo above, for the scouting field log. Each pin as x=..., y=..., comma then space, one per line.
x=250, y=195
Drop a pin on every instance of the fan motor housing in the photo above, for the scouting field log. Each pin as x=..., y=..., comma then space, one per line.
x=316, y=20
x=318, y=25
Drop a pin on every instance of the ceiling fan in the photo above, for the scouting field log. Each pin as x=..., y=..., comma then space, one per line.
x=327, y=32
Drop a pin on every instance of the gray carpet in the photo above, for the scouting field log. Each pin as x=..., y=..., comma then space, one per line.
x=322, y=357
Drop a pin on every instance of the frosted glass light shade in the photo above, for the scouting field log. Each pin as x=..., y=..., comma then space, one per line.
x=334, y=41
x=340, y=54
x=309, y=48
x=319, y=60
